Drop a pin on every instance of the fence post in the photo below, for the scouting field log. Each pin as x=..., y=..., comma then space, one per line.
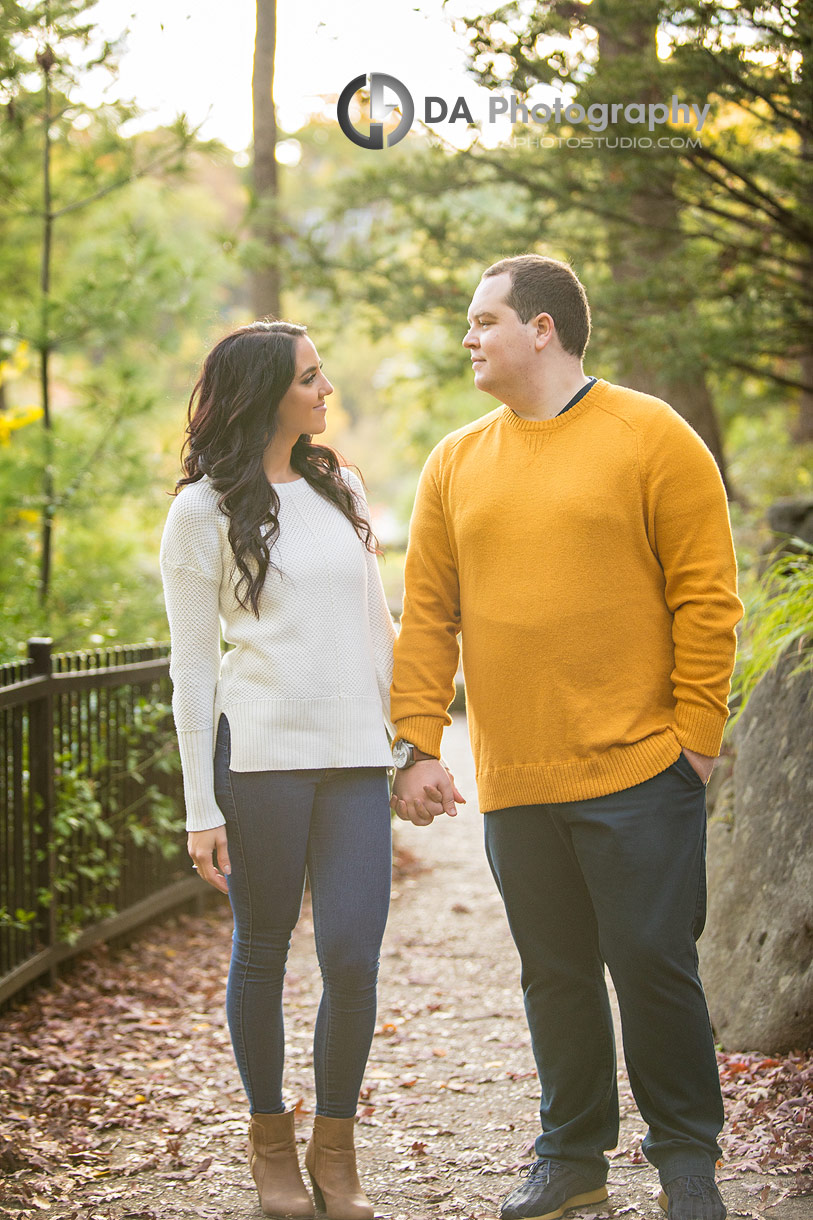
x=41, y=763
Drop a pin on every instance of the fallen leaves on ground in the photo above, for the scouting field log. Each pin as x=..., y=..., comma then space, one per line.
x=118, y=1090
x=105, y=1057
x=769, y=1108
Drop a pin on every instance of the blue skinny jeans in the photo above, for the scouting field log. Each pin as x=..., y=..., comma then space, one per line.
x=334, y=825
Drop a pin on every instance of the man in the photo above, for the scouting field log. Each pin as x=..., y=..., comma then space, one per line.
x=578, y=539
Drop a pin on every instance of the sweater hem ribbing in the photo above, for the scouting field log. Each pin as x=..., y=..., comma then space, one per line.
x=579, y=780
x=290, y=734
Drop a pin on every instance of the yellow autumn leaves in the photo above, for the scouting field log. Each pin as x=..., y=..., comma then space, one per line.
x=16, y=417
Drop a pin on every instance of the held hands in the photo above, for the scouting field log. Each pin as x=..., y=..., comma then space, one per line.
x=423, y=791
x=201, y=844
x=702, y=763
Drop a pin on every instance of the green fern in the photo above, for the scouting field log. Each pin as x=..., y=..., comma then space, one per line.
x=778, y=620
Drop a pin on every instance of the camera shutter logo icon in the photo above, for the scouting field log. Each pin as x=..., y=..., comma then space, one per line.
x=379, y=110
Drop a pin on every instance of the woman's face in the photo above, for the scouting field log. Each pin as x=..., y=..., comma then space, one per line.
x=302, y=407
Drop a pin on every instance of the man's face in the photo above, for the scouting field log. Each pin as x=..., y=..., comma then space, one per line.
x=502, y=347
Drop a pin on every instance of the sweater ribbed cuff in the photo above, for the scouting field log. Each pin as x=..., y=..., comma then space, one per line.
x=425, y=732
x=699, y=729
x=202, y=810
x=202, y=817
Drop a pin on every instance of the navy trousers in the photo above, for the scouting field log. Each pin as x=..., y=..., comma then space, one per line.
x=619, y=879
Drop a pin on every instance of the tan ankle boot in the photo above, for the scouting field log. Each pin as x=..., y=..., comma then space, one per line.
x=275, y=1166
x=331, y=1162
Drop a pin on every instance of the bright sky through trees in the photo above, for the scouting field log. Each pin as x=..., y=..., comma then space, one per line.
x=196, y=57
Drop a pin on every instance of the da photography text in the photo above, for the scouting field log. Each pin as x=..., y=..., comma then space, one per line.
x=598, y=117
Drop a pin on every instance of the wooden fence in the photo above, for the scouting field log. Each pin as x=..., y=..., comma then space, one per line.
x=90, y=804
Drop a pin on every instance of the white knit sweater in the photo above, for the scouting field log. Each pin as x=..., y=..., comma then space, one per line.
x=304, y=686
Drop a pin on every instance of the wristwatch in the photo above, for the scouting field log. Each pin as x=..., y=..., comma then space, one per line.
x=403, y=754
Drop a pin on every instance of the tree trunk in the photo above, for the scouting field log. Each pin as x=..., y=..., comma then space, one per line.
x=641, y=248
x=803, y=426
x=654, y=237
x=265, y=279
x=46, y=62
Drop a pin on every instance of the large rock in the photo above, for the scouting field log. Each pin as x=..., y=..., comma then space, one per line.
x=756, y=955
x=792, y=518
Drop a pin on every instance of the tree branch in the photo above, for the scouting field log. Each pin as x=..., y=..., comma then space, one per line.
x=149, y=168
x=775, y=211
x=84, y=470
x=745, y=84
x=768, y=375
x=755, y=254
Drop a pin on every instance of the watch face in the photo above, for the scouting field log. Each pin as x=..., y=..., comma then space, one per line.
x=401, y=753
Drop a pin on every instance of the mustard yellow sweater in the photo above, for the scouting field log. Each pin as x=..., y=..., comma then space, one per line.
x=587, y=563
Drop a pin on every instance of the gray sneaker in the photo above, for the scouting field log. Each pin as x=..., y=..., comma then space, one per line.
x=551, y=1188
x=692, y=1199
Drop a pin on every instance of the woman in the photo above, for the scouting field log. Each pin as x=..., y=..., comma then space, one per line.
x=269, y=537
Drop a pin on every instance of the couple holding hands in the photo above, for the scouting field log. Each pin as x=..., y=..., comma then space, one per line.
x=577, y=538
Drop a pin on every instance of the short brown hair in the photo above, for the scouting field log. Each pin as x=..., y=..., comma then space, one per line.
x=544, y=285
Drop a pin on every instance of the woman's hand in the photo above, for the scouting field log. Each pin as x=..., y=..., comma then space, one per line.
x=201, y=845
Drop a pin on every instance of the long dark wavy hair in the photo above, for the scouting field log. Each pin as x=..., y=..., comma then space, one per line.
x=232, y=417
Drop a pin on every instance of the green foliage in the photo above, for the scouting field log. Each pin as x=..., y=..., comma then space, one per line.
x=105, y=263
x=766, y=464
x=778, y=620
x=142, y=280
x=697, y=259
x=95, y=827
x=733, y=210
x=104, y=275
x=18, y=920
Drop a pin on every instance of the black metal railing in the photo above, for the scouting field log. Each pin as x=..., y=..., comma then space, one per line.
x=90, y=803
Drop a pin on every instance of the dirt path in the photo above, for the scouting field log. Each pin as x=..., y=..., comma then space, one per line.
x=450, y=1098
